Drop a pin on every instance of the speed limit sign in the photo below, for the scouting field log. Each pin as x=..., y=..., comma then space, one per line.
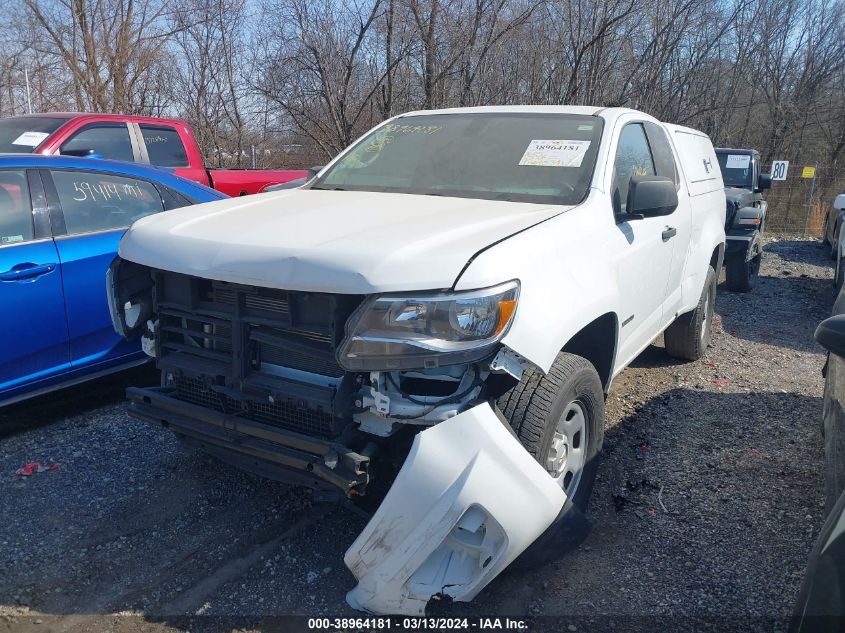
x=779, y=168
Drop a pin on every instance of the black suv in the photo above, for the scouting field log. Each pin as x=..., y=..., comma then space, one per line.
x=746, y=214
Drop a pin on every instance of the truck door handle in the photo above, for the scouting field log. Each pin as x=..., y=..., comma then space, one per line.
x=27, y=270
x=668, y=233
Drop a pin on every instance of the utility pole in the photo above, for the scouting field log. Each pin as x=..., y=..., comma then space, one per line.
x=28, y=97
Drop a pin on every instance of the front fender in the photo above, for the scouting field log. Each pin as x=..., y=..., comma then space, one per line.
x=468, y=500
x=565, y=286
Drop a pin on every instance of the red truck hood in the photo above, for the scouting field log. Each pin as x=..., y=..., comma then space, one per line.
x=239, y=182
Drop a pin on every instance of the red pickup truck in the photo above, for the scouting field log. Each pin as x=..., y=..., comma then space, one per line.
x=163, y=142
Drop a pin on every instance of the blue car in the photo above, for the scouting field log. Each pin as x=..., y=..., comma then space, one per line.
x=61, y=219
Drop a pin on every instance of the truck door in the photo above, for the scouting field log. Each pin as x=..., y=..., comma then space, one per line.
x=642, y=247
x=33, y=329
x=93, y=211
x=678, y=225
x=164, y=146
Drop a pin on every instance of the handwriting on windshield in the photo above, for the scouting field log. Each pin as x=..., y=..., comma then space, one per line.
x=412, y=129
x=106, y=191
x=385, y=134
x=377, y=144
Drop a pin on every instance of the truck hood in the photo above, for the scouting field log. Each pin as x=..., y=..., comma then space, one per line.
x=735, y=199
x=740, y=195
x=329, y=241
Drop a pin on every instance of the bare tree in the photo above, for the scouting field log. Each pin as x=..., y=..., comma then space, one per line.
x=325, y=75
x=110, y=48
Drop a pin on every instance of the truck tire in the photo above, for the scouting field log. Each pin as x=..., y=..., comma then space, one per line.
x=740, y=274
x=689, y=335
x=559, y=419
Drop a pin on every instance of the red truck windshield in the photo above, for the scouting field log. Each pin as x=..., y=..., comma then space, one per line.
x=23, y=134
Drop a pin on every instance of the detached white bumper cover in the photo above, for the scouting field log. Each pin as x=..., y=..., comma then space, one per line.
x=468, y=500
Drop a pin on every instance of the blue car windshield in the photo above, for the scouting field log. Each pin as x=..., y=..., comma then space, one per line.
x=24, y=134
x=546, y=158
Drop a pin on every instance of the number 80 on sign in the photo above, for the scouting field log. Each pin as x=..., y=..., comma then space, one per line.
x=779, y=169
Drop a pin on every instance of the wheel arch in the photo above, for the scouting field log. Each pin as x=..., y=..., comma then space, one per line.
x=717, y=258
x=597, y=342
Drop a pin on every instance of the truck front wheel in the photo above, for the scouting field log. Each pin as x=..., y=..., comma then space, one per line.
x=689, y=335
x=559, y=419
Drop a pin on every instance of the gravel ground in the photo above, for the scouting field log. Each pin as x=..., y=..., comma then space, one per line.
x=708, y=499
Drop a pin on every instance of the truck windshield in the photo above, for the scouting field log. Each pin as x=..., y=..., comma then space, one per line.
x=24, y=133
x=737, y=169
x=541, y=158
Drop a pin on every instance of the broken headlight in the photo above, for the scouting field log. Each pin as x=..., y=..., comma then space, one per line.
x=419, y=331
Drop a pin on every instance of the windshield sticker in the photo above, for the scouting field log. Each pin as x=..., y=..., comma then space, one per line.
x=585, y=128
x=737, y=161
x=551, y=153
x=30, y=139
x=11, y=239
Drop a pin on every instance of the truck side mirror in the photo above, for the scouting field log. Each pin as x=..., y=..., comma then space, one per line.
x=764, y=182
x=651, y=196
x=313, y=171
x=831, y=334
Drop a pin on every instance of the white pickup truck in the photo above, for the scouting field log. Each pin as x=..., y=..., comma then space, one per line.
x=453, y=294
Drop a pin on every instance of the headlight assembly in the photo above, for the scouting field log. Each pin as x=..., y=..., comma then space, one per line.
x=415, y=331
x=129, y=296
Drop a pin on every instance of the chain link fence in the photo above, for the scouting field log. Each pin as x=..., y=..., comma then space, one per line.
x=799, y=204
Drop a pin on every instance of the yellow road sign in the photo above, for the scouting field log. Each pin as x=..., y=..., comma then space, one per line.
x=808, y=172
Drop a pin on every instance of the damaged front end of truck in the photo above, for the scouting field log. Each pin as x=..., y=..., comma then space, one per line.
x=320, y=389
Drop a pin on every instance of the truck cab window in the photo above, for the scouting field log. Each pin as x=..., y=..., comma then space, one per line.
x=15, y=208
x=101, y=202
x=110, y=141
x=664, y=159
x=633, y=158
x=164, y=147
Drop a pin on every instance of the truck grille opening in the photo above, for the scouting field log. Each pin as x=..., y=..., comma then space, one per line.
x=270, y=354
x=303, y=420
